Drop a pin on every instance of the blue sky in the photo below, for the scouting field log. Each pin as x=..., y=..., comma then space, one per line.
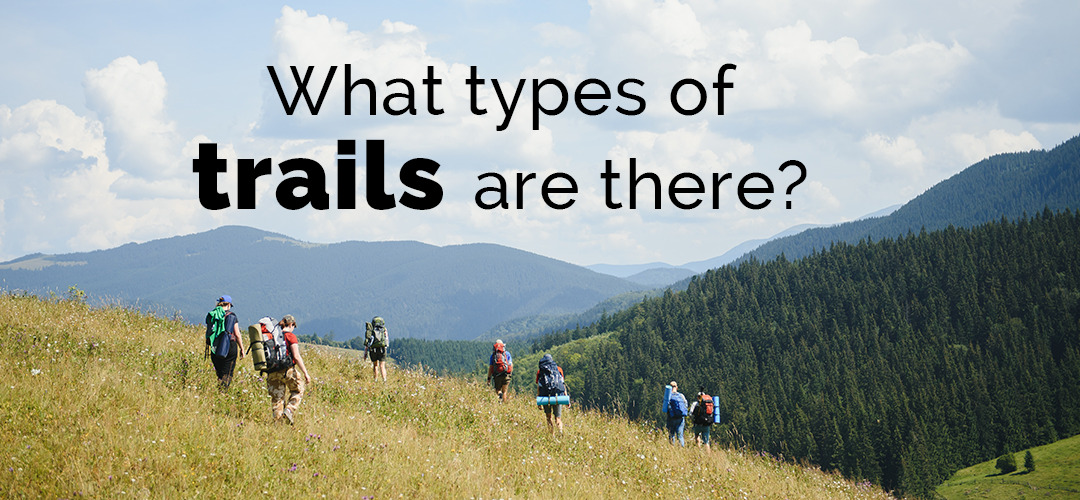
x=103, y=105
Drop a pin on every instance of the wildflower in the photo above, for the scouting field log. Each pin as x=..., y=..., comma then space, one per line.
x=35, y=371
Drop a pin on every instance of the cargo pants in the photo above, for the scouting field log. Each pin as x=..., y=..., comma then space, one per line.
x=281, y=385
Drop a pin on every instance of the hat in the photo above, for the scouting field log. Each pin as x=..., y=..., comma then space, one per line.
x=225, y=298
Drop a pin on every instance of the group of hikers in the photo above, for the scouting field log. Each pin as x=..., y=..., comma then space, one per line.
x=550, y=383
x=278, y=355
x=702, y=413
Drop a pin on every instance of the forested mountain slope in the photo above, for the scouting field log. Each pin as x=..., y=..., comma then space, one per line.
x=898, y=361
x=1005, y=185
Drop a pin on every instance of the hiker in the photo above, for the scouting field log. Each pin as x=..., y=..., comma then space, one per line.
x=701, y=414
x=376, y=343
x=500, y=366
x=676, y=419
x=223, y=340
x=551, y=382
x=286, y=380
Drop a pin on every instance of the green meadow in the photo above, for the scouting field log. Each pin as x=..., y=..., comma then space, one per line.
x=1056, y=475
x=111, y=403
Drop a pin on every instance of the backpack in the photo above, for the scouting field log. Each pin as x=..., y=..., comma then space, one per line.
x=677, y=405
x=551, y=381
x=215, y=327
x=275, y=347
x=703, y=412
x=502, y=360
x=376, y=333
x=215, y=324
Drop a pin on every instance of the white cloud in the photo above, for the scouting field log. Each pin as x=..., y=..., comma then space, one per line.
x=27, y=131
x=974, y=148
x=880, y=101
x=900, y=157
x=130, y=99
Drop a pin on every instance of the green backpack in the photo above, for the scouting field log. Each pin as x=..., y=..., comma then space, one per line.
x=215, y=325
x=376, y=333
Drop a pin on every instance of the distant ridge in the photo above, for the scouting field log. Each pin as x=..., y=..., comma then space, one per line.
x=1002, y=186
x=425, y=291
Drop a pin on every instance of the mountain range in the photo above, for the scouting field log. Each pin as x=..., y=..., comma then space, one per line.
x=662, y=274
x=468, y=291
x=424, y=291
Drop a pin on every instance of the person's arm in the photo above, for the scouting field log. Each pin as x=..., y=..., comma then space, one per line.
x=295, y=349
x=239, y=339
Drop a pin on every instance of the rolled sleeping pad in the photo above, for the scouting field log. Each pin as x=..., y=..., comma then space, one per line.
x=716, y=409
x=667, y=396
x=553, y=400
x=258, y=354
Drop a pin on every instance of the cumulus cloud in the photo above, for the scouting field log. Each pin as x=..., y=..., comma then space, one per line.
x=899, y=157
x=879, y=101
x=63, y=164
x=974, y=148
x=129, y=97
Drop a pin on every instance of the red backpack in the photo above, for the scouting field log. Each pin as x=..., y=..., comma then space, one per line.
x=501, y=365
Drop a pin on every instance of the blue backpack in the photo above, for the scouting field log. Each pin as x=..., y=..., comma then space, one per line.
x=551, y=381
x=677, y=405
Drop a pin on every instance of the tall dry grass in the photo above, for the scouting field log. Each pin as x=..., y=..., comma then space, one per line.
x=110, y=403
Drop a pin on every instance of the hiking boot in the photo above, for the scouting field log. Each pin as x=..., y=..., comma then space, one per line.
x=288, y=415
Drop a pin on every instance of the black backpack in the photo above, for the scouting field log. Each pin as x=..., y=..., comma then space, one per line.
x=551, y=381
x=277, y=350
x=703, y=412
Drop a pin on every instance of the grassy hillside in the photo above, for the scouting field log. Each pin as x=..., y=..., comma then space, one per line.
x=1056, y=475
x=108, y=403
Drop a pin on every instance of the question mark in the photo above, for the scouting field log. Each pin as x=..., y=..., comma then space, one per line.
x=802, y=176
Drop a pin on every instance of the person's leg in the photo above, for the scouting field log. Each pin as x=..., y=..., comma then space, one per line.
x=275, y=385
x=547, y=411
x=295, y=383
x=223, y=367
x=682, y=424
x=557, y=412
x=502, y=385
x=705, y=436
x=382, y=366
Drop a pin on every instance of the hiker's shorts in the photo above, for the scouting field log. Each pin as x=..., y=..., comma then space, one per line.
x=500, y=380
x=555, y=410
x=703, y=432
x=377, y=353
